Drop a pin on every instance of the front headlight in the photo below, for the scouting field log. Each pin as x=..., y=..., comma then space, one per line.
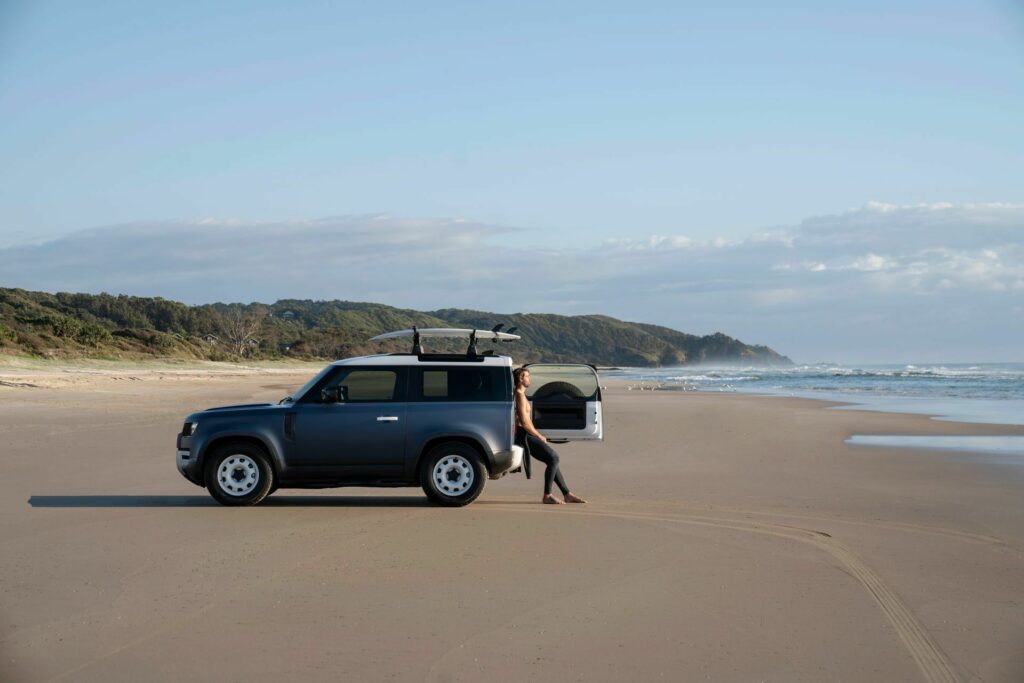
x=189, y=429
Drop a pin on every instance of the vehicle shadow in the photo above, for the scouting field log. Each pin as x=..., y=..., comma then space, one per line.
x=206, y=501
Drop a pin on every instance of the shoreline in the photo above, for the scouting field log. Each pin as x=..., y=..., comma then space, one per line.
x=878, y=403
x=831, y=403
x=43, y=374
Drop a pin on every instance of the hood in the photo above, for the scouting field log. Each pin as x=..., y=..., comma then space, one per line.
x=239, y=407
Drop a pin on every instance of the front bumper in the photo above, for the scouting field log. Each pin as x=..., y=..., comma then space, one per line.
x=506, y=461
x=187, y=465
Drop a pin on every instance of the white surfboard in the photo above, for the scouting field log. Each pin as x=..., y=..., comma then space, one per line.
x=452, y=332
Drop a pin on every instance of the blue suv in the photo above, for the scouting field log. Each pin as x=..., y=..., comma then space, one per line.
x=440, y=421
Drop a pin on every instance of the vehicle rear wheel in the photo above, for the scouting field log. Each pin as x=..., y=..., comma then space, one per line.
x=239, y=474
x=453, y=474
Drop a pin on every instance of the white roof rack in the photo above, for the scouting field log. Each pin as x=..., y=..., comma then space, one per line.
x=426, y=360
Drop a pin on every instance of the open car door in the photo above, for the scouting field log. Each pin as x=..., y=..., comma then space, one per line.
x=566, y=401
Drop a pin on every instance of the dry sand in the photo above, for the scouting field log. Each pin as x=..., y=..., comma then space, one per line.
x=728, y=538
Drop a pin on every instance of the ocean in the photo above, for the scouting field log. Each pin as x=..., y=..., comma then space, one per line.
x=968, y=392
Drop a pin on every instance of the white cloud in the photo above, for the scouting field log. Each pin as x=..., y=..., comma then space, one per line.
x=654, y=242
x=900, y=271
x=870, y=263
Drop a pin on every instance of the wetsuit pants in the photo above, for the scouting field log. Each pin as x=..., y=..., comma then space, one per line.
x=546, y=454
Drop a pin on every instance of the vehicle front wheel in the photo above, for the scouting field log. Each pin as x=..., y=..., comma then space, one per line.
x=453, y=474
x=239, y=474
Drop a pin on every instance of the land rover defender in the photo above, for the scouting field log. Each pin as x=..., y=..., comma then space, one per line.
x=440, y=421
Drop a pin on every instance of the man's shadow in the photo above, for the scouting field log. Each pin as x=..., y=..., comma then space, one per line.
x=206, y=501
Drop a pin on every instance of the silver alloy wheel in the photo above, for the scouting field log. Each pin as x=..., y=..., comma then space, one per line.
x=238, y=475
x=453, y=475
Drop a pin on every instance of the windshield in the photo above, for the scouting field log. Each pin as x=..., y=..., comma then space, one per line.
x=308, y=385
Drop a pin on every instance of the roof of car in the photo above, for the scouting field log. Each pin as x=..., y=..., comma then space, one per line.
x=426, y=359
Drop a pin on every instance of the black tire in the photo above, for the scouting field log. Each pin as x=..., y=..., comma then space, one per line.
x=454, y=483
x=562, y=389
x=239, y=474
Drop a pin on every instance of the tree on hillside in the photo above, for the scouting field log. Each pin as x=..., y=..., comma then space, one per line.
x=240, y=327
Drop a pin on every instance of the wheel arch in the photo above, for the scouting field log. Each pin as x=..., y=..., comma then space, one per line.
x=224, y=439
x=458, y=438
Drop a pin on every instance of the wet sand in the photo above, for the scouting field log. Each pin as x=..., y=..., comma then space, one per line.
x=728, y=538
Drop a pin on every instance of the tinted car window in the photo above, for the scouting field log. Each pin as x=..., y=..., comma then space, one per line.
x=460, y=384
x=361, y=385
x=309, y=385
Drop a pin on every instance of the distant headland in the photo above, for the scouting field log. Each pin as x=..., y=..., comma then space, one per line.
x=67, y=325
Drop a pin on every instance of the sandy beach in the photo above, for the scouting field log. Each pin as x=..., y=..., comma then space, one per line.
x=728, y=538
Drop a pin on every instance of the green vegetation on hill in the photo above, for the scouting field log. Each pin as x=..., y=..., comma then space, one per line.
x=68, y=325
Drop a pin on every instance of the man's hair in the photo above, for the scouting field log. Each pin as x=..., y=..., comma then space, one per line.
x=517, y=375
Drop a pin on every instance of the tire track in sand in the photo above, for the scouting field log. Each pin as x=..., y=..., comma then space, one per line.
x=875, y=524
x=933, y=663
x=708, y=512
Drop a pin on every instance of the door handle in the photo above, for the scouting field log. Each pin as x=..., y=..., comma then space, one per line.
x=387, y=418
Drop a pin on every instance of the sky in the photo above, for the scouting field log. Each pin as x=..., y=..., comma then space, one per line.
x=841, y=181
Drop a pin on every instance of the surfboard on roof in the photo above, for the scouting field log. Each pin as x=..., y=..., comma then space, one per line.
x=450, y=332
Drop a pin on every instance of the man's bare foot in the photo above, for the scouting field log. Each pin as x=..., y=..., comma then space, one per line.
x=573, y=498
x=551, y=500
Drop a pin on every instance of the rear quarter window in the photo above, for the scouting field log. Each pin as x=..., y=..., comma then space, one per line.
x=461, y=384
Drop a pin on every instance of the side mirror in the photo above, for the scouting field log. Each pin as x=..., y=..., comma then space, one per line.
x=333, y=395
